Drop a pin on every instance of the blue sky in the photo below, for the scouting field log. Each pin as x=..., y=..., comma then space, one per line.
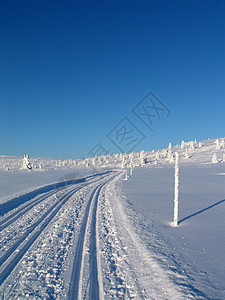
x=72, y=70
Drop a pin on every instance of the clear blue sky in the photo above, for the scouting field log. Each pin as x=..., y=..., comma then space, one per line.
x=72, y=70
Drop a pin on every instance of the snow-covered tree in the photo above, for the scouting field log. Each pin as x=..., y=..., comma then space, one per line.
x=200, y=145
x=223, y=157
x=143, y=161
x=165, y=152
x=182, y=145
x=169, y=154
x=131, y=155
x=87, y=162
x=171, y=159
x=157, y=155
x=93, y=161
x=170, y=146
x=192, y=147
x=6, y=168
x=132, y=161
x=142, y=154
x=214, y=159
x=26, y=163
x=123, y=164
x=222, y=144
x=142, y=158
x=217, y=144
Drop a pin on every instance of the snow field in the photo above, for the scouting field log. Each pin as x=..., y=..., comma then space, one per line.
x=194, y=251
x=109, y=238
x=140, y=274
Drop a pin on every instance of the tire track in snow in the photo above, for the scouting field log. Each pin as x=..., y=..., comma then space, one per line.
x=95, y=291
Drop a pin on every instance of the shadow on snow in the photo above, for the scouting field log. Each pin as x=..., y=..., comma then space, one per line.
x=201, y=211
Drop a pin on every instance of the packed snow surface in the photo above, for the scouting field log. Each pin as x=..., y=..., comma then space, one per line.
x=101, y=228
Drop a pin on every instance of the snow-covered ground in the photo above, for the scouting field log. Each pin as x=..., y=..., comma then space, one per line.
x=76, y=229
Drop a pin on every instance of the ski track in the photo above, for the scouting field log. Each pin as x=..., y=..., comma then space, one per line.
x=88, y=238
x=15, y=214
x=13, y=255
x=5, y=222
x=33, y=232
x=92, y=237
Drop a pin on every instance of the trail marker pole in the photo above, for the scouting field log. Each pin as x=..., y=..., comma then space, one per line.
x=131, y=170
x=176, y=191
x=126, y=173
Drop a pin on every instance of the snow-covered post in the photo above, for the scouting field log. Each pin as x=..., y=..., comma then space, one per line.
x=214, y=159
x=186, y=154
x=126, y=172
x=131, y=169
x=176, y=191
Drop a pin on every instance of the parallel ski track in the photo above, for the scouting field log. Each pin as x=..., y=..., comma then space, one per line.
x=18, y=213
x=34, y=232
x=5, y=222
x=79, y=252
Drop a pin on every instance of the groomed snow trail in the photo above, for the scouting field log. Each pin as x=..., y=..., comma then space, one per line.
x=21, y=211
x=23, y=244
x=91, y=286
x=24, y=228
x=78, y=243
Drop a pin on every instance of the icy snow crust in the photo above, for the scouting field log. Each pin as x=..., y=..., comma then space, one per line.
x=70, y=230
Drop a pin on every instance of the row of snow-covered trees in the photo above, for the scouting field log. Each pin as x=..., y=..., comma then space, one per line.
x=154, y=157
x=132, y=159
